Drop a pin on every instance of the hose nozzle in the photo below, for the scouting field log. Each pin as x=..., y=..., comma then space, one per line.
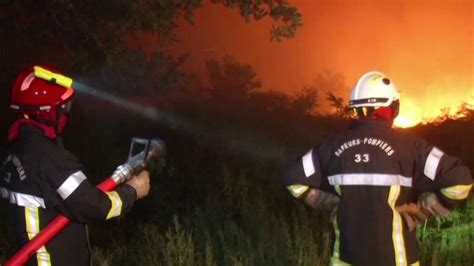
x=149, y=150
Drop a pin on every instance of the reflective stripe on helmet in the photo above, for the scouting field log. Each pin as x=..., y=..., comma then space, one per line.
x=373, y=89
x=59, y=79
x=27, y=82
x=29, y=108
x=368, y=100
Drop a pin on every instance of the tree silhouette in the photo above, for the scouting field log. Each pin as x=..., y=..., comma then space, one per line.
x=92, y=32
x=306, y=101
x=466, y=111
x=342, y=108
x=231, y=80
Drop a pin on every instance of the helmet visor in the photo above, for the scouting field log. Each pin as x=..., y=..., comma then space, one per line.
x=66, y=107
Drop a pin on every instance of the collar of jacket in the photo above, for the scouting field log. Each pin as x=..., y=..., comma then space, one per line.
x=372, y=122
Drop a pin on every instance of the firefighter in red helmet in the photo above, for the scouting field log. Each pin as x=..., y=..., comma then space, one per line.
x=381, y=182
x=41, y=179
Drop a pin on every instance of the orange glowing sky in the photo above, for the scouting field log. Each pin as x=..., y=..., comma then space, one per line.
x=425, y=47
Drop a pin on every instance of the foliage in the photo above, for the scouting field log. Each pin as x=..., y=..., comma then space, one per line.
x=305, y=102
x=231, y=79
x=84, y=34
x=449, y=241
x=342, y=108
x=278, y=10
x=464, y=112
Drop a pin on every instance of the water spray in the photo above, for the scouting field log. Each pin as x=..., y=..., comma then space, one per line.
x=254, y=149
x=166, y=118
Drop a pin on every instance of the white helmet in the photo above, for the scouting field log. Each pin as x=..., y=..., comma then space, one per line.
x=373, y=89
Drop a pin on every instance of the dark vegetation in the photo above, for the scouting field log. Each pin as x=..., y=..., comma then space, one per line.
x=216, y=197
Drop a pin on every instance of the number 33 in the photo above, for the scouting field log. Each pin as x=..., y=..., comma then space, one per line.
x=361, y=158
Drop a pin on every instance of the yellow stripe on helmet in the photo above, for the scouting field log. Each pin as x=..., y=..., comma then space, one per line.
x=52, y=77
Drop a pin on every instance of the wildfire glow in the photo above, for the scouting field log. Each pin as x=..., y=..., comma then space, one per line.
x=425, y=47
x=405, y=121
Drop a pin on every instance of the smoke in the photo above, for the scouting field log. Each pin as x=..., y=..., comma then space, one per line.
x=256, y=148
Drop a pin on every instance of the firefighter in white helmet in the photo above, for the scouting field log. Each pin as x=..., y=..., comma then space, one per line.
x=382, y=181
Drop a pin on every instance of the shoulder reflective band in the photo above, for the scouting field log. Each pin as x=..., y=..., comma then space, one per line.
x=21, y=199
x=458, y=192
x=432, y=163
x=297, y=190
x=115, y=204
x=308, y=164
x=71, y=184
x=52, y=77
x=370, y=180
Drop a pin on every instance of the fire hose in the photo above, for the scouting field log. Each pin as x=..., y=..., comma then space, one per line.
x=136, y=162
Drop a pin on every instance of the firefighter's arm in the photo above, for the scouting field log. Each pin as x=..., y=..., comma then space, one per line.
x=69, y=191
x=446, y=177
x=302, y=177
x=82, y=202
x=444, y=181
x=314, y=198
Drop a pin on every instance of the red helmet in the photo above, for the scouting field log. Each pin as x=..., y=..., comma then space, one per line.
x=41, y=91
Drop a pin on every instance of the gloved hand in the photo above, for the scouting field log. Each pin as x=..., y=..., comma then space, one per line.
x=141, y=184
x=427, y=206
x=430, y=202
x=321, y=200
x=413, y=214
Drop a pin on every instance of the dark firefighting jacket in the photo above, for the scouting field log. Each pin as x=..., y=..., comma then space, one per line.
x=41, y=179
x=374, y=168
